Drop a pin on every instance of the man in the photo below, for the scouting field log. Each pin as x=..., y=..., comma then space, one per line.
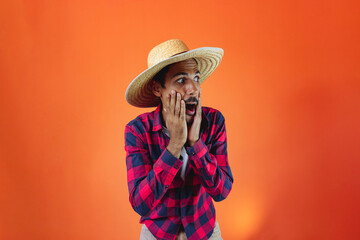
x=176, y=156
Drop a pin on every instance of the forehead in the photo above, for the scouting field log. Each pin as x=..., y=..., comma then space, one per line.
x=188, y=66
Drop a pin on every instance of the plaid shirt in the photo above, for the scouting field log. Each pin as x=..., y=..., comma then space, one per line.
x=157, y=192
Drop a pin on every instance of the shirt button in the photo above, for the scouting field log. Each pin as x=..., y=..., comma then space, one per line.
x=193, y=153
x=176, y=167
x=166, y=186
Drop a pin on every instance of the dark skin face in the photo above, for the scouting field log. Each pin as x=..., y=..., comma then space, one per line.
x=182, y=77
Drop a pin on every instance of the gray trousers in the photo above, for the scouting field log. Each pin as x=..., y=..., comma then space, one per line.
x=147, y=235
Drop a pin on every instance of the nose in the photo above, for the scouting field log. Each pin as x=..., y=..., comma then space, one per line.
x=191, y=88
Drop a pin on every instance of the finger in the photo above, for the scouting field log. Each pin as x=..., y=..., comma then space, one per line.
x=167, y=101
x=172, y=102
x=177, y=105
x=198, y=107
x=182, y=110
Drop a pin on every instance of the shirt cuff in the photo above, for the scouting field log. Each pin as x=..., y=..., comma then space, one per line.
x=167, y=166
x=197, y=151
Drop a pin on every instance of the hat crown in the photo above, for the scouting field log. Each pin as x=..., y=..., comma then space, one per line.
x=165, y=50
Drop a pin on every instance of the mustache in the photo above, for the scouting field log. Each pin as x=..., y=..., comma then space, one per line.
x=191, y=99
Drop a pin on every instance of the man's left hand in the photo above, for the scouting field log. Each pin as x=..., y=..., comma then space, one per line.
x=194, y=129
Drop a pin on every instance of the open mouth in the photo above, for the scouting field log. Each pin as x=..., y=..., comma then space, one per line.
x=191, y=108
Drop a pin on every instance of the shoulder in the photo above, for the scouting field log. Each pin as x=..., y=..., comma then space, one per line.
x=141, y=123
x=213, y=115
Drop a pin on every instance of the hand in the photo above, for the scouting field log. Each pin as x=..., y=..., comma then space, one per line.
x=174, y=116
x=194, y=130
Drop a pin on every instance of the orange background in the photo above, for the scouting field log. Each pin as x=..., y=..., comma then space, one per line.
x=288, y=87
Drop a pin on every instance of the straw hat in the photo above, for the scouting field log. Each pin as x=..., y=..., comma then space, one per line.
x=139, y=92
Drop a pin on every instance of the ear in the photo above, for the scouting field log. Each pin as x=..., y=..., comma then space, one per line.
x=155, y=86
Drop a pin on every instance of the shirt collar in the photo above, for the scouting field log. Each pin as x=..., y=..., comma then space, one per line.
x=158, y=121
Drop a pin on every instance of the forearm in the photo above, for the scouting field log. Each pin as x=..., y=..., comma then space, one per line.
x=148, y=187
x=213, y=170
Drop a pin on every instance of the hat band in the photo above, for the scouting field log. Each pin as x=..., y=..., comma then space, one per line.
x=178, y=53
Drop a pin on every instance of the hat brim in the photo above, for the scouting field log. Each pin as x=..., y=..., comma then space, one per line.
x=139, y=92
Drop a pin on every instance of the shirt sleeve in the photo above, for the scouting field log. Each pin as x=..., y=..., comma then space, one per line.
x=148, y=179
x=212, y=164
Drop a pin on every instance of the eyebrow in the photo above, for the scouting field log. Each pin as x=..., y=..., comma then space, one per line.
x=184, y=74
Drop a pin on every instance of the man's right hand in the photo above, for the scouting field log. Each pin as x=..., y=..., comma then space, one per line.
x=174, y=115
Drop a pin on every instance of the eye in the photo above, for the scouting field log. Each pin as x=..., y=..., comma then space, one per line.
x=197, y=79
x=180, y=80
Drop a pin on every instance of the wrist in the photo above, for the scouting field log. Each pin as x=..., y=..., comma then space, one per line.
x=192, y=142
x=174, y=149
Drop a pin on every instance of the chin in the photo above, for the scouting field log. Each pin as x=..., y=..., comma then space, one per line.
x=189, y=119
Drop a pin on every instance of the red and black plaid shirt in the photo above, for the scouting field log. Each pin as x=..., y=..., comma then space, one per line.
x=157, y=192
